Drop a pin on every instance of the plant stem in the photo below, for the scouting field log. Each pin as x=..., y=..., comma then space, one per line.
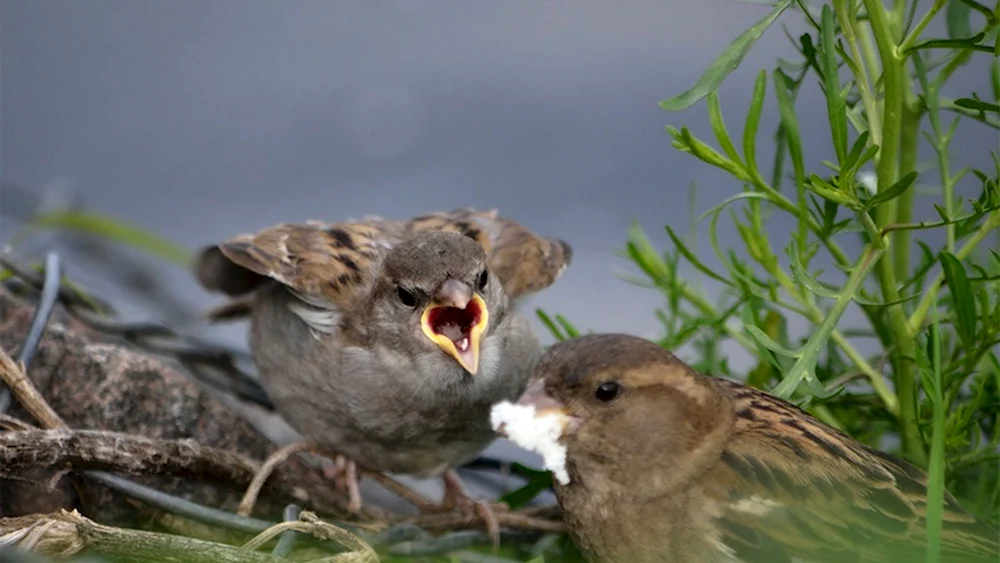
x=849, y=27
x=903, y=367
x=785, y=204
x=871, y=60
x=892, y=77
x=877, y=380
x=935, y=478
x=914, y=35
x=940, y=144
x=706, y=308
x=814, y=314
x=898, y=11
x=909, y=143
x=805, y=366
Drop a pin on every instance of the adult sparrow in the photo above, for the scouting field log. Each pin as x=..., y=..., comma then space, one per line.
x=655, y=462
x=388, y=341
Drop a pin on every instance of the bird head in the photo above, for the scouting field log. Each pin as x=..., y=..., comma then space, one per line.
x=438, y=287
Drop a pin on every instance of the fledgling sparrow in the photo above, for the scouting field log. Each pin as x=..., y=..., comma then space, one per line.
x=657, y=463
x=388, y=341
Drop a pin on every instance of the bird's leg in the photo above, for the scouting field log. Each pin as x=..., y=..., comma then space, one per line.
x=344, y=473
x=456, y=497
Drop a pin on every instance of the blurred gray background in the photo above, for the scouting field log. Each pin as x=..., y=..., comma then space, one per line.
x=200, y=119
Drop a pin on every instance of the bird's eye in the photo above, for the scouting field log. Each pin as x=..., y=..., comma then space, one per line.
x=483, y=278
x=608, y=391
x=405, y=297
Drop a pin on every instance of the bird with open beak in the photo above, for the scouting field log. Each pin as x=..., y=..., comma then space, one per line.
x=654, y=462
x=388, y=341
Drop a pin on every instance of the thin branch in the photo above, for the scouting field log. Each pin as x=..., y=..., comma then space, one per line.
x=26, y=394
x=516, y=520
x=114, y=451
x=64, y=534
x=262, y=473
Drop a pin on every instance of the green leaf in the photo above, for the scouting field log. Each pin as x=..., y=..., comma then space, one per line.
x=749, y=318
x=698, y=264
x=725, y=63
x=829, y=214
x=808, y=51
x=869, y=303
x=764, y=340
x=789, y=122
x=646, y=257
x=854, y=160
x=858, y=157
x=962, y=296
x=972, y=43
x=942, y=213
x=834, y=98
x=719, y=128
x=686, y=142
x=803, y=277
x=549, y=324
x=731, y=199
x=115, y=230
x=753, y=122
x=978, y=105
x=995, y=77
x=892, y=192
x=830, y=192
x=936, y=472
x=570, y=330
x=522, y=496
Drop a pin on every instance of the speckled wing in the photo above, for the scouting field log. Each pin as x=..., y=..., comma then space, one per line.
x=332, y=265
x=327, y=265
x=523, y=261
x=793, y=486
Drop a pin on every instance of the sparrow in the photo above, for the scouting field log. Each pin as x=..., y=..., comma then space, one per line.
x=654, y=462
x=388, y=341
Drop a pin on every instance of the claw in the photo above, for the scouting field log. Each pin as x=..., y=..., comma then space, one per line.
x=344, y=473
x=456, y=497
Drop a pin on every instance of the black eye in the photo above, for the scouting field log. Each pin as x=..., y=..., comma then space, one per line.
x=483, y=278
x=608, y=391
x=405, y=297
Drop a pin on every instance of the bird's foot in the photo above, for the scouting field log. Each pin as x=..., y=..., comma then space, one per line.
x=344, y=473
x=455, y=497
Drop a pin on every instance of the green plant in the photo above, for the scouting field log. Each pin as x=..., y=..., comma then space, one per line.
x=927, y=286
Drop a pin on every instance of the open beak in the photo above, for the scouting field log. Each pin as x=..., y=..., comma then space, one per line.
x=455, y=320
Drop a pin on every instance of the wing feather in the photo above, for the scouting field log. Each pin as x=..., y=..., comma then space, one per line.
x=791, y=481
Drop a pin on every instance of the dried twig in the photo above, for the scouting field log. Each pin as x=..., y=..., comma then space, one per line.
x=64, y=534
x=402, y=491
x=516, y=520
x=99, y=449
x=308, y=523
x=26, y=394
x=262, y=473
x=8, y=422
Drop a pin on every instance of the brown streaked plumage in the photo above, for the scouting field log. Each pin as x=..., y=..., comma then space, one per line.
x=669, y=465
x=387, y=341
